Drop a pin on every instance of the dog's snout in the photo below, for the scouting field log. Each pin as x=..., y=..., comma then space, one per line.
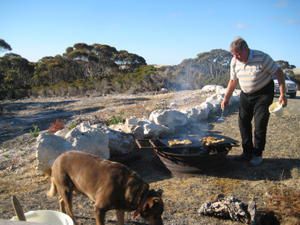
x=158, y=221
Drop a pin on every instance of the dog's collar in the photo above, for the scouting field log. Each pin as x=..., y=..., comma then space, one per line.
x=141, y=204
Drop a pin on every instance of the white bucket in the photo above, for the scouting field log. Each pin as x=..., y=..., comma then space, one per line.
x=47, y=217
x=276, y=108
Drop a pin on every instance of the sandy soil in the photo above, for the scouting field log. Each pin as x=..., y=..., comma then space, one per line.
x=274, y=184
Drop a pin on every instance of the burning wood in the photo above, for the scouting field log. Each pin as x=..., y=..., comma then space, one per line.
x=176, y=142
x=208, y=141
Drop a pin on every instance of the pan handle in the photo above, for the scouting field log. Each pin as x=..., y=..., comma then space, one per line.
x=140, y=145
x=152, y=144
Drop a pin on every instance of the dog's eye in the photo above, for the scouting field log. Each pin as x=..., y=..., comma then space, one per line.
x=156, y=200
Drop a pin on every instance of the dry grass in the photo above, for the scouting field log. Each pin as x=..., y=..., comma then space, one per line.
x=275, y=184
x=284, y=201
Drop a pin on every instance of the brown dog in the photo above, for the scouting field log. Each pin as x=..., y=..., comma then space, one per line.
x=109, y=185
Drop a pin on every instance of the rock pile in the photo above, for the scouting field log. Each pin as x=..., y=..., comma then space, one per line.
x=119, y=139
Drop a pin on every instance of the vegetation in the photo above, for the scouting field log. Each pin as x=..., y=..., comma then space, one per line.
x=115, y=120
x=35, y=131
x=144, y=78
x=103, y=69
x=4, y=46
x=72, y=125
x=80, y=69
x=15, y=76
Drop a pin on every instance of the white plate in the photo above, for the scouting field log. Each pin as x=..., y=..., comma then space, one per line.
x=275, y=108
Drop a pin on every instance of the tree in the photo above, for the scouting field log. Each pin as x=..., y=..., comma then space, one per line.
x=51, y=70
x=4, y=46
x=128, y=61
x=285, y=65
x=15, y=76
x=83, y=46
x=104, y=51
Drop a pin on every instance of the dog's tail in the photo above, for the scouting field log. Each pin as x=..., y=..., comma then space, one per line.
x=53, y=190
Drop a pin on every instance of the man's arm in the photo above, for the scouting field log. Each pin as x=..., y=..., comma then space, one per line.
x=281, y=81
x=230, y=88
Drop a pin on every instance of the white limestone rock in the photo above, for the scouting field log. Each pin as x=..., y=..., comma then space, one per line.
x=212, y=88
x=90, y=139
x=153, y=130
x=120, y=143
x=198, y=113
x=131, y=121
x=169, y=118
x=215, y=101
x=49, y=147
x=83, y=137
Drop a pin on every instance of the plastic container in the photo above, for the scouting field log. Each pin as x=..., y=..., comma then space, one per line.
x=276, y=108
x=47, y=217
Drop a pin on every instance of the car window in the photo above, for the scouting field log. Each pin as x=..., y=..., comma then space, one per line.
x=286, y=77
x=290, y=78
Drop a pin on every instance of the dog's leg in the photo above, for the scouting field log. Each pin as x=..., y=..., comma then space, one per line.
x=53, y=189
x=100, y=216
x=68, y=202
x=120, y=217
x=62, y=205
x=65, y=201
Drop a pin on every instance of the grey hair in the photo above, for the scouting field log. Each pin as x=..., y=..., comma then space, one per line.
x=238, y=44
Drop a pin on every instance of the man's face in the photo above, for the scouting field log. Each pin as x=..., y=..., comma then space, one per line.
x=241, y=55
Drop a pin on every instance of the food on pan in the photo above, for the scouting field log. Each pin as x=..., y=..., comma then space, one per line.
x=179, y=142
x=211, y=140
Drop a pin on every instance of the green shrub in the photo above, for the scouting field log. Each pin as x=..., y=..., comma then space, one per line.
x=35, y=131
x=115, y=120
x=72, y=125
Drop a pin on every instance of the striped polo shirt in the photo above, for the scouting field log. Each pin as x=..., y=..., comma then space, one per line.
x=256, y=73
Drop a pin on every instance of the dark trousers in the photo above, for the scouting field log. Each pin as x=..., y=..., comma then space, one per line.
x=255, y=105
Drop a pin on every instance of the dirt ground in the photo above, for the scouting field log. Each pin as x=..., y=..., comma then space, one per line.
x=274, y=184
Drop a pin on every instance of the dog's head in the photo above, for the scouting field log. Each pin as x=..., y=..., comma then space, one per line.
x=153, y=207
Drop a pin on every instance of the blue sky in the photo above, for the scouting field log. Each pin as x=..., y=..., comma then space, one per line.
x=161, y=31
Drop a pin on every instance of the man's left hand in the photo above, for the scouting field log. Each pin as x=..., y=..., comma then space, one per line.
x=282, y=100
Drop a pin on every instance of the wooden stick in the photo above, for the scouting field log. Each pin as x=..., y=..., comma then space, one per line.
x=18, y=208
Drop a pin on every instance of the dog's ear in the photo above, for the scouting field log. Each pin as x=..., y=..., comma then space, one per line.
x=159, y=192
x=155, y=193
x=154, y=197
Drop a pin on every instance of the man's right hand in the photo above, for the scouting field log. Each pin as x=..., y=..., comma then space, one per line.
x=224, y=103
x=230, y=88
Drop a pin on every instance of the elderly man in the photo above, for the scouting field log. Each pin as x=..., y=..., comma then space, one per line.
x=253, y=70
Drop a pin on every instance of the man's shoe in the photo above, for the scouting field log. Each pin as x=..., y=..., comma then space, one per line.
x=242, y=157
x=256, y=160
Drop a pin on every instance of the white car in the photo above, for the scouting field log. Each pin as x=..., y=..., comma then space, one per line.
x=290, y=87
